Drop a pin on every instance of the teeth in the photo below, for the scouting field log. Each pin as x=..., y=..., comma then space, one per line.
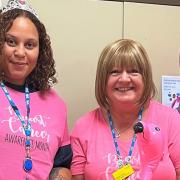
x=124, y=89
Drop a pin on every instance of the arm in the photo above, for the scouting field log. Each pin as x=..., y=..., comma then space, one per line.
x=178, y=174
x=79, y=156
x=60, y=174
x=78, y=177
x=62, y=161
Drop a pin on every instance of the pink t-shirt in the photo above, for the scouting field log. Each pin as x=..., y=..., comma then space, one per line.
x=49, y=132
x=94, y=153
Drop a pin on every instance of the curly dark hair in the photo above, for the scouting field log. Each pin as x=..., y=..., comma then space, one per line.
x=43, y=75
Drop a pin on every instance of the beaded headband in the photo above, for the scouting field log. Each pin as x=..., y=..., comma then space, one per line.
x=18, y=4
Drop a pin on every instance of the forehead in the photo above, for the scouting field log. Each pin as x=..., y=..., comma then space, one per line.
x=124, y=63
x=23, y=27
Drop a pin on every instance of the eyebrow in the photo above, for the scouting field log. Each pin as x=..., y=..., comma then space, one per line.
x=10, y=35
x=30, y=39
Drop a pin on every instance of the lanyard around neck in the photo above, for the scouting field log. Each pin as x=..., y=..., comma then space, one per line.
x=128, y=158
x=27, y=164
x=15, y=108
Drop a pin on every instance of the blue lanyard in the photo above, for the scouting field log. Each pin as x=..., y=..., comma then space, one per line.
x=128, y=158
x=27, y=165
x=16, y=110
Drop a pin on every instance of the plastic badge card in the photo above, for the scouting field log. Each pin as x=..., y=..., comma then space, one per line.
x=123, y=172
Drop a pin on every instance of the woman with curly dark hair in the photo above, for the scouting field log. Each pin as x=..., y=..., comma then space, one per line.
x=34, y=136
x=42, y=76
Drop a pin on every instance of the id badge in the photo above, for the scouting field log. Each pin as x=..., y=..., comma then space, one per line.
x=123, y=172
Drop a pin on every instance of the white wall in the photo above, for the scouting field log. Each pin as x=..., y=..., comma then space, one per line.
x=157, y=27
x=79, y=30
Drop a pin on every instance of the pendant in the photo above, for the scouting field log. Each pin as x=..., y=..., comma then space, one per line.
x=117, y=133
x=120, y=163
x=27, y=165
x=127, y=159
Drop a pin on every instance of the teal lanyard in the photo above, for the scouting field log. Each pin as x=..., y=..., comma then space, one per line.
x=27, y=164
x=128, y=158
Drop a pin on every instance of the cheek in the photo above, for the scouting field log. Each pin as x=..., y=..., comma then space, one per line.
x=34, y=63
x=110, y=81
x=140, y=86
x=108, y=85
x=34, y=57
x=141, y=89
x=4, y=60
x=6, y=52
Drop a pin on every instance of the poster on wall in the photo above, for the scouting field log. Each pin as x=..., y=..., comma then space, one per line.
x=171, y=91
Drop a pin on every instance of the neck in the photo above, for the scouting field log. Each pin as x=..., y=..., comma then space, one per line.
x=124, y=120
x=125, y=115
x=18, y=82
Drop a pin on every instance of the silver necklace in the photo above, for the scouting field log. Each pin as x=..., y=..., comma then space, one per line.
x=117, y=131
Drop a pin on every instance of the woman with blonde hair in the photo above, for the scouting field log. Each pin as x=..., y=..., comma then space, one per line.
x=103, y=140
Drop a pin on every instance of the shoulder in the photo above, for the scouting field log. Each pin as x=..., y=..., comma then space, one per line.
x=89, y=117
x=57, y=101
x=50, y=100
x=158, y=107
x=159, y=113
x=52, y=96
x=88, y=121
x=53, y=93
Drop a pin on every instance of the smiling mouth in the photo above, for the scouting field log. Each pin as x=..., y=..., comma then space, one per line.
x=19, y=63
x=124, y=89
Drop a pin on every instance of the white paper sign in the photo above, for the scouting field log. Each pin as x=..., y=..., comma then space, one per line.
x=171, y=91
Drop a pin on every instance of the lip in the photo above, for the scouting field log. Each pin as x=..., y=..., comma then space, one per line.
x=18, y=63
x=124, y=89
x=18, y=66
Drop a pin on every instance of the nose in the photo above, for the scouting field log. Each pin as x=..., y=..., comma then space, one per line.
x=20, y=51
x=124, y=75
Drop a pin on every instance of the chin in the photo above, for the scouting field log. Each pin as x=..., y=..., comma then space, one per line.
x=130, y=102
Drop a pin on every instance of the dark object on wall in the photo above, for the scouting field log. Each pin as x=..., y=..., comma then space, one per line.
x=160, y=2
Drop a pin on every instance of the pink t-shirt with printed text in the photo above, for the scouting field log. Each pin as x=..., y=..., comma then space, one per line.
x=94, y=153
x=49, y=132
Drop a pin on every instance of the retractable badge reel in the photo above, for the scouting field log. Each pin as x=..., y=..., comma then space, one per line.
x=27, y=164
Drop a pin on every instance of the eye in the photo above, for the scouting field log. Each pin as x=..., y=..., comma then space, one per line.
x=134, y=72
x=115, y=72
x=30, y=45
x=11, y=42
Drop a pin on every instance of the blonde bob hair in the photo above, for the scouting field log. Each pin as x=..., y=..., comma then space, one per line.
x=123, y=53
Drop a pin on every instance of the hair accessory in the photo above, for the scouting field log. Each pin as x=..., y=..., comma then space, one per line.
x=18, y=4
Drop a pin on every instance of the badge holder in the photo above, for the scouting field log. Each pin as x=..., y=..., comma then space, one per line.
x=123, y=172
x=27, y=165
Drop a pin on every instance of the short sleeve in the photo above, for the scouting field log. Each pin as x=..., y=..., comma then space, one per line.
x=63, y=157
x=79, y=151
